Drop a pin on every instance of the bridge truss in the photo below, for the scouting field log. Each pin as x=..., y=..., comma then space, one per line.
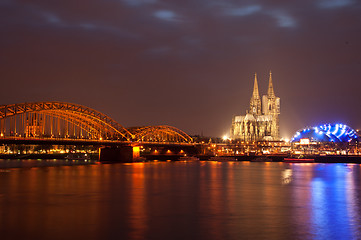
x=73, y=121
x=58, y=119
x=160, y=134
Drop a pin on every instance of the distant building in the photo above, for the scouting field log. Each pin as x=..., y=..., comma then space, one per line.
x=261, y=121
x=338, y=133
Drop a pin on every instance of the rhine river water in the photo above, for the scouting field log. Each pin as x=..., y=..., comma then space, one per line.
x=180, y=200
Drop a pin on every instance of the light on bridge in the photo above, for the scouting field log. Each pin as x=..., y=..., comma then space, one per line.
x=61, y=120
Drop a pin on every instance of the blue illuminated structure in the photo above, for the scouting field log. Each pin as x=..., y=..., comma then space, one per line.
x=327, y=133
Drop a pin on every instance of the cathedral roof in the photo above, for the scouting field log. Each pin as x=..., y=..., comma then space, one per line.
x=238, y=118
x=249, y=117
x=264, y=118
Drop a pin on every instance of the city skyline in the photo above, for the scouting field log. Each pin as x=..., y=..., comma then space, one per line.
x=187, y=64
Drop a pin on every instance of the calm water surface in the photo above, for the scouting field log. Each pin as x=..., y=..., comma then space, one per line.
x=181, y=200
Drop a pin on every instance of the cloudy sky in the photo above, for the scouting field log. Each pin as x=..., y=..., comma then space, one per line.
x=185, y=63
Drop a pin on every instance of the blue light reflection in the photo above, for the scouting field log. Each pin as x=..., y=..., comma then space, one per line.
x=330, y=204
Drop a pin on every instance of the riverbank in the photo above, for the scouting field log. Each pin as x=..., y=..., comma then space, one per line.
x=93, y=156
x=251, y=158
x=317, y=158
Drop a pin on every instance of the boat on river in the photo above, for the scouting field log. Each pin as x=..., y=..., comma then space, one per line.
x=299, y=160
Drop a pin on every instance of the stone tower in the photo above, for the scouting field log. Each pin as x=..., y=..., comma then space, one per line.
x=255, y=103
x=271, y=106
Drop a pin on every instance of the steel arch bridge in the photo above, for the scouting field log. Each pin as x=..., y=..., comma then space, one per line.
x=74, y=121
x=161, y=133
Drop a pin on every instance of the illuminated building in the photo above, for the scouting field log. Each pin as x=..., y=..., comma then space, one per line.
x=326, y=139
x=261, y=121
x=326, y=133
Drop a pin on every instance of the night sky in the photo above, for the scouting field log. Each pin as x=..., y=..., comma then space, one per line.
x=185, y=63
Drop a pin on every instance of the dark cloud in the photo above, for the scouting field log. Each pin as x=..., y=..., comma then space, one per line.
x=185, y=63
x=334, y=3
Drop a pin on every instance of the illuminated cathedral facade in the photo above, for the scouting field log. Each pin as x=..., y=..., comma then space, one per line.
x=261, y=122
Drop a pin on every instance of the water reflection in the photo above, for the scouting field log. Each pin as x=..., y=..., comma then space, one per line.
x=181, y=200
x=334, y=204
x=287, y=176
x=138, y=219
x=29, y=163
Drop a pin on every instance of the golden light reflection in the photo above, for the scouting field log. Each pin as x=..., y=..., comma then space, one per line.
x=214, y=195
x=286, y=176
x=138, y=164
x=48, y=199
x=138, y=216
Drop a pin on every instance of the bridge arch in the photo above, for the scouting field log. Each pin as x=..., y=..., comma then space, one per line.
x=162, y=133
x=44, y=118
x=69, y=120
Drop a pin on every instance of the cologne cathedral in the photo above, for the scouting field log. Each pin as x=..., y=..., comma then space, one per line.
x=261, y=122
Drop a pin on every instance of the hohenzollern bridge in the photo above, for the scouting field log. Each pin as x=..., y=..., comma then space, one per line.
x=68, y=123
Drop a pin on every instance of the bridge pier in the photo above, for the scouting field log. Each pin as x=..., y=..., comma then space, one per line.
x=118, y=154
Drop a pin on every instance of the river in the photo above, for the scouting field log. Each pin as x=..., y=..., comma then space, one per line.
x=179, y=200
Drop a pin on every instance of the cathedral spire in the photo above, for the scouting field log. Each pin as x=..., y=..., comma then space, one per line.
x=255, y=94
x=255, y=104
x=270, y=92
